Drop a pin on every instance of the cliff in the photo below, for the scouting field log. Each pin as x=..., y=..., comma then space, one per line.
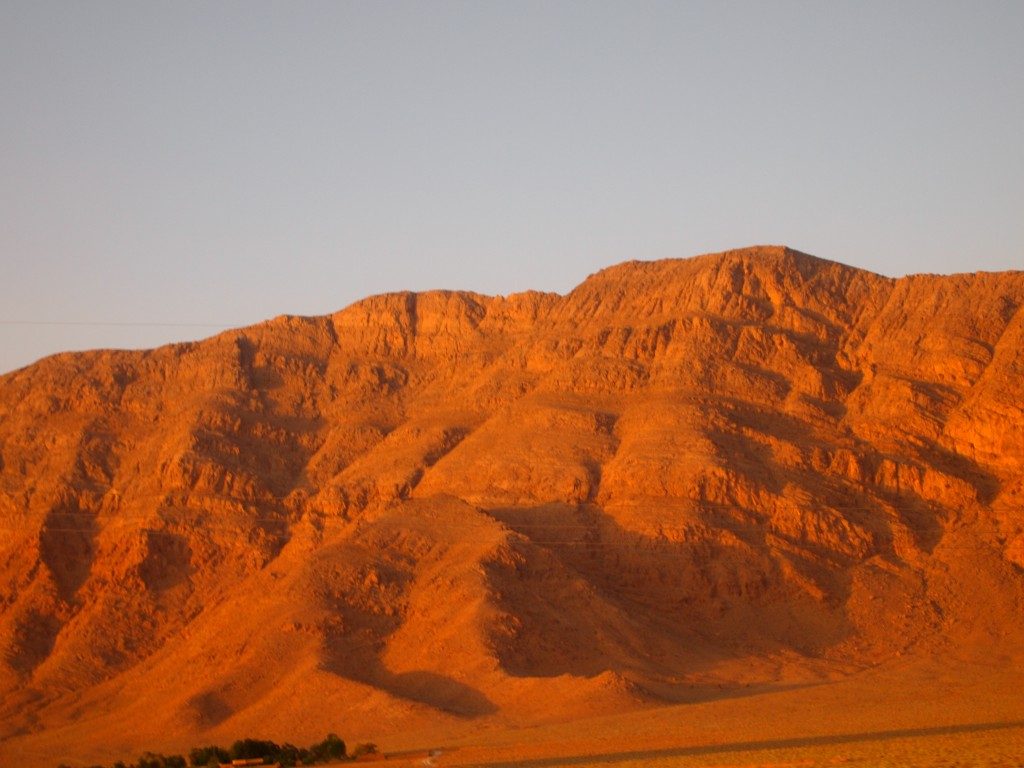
x=738, y=469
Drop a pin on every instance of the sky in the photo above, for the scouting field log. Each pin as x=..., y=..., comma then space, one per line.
x=169, y=169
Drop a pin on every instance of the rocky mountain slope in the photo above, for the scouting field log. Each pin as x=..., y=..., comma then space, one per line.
x=684, y=477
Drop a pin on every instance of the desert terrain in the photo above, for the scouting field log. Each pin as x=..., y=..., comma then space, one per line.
x=748, y=508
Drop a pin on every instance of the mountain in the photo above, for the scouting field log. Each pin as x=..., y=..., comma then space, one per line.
x=684, y=478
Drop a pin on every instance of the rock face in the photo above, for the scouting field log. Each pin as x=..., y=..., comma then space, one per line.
x=736, y=469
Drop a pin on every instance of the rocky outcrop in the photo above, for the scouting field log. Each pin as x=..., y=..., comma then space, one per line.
x=448, y=505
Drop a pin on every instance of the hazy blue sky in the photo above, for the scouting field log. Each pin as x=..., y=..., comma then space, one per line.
x=223, y=162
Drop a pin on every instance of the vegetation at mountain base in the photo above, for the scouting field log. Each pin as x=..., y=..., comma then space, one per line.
x=330, y=750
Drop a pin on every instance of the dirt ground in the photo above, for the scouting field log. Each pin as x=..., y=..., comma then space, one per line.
x=915, y=714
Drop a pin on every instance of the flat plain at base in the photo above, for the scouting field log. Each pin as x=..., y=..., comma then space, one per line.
x=929, y=713
x=991, y=744
x=939, y=711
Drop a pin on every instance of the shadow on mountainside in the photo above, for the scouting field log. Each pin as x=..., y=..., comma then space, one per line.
x=583, y=596
x=755, y=746
x=440, y=692
x=420, y=686
x=582, y=593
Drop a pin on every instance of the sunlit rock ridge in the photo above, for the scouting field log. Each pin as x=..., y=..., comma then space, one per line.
x=729, y=470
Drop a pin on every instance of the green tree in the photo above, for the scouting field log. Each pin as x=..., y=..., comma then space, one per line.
x=331, y=748
x=288, y=756
x=212, y=755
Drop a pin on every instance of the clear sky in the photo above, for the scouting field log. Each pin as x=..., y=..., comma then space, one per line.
x=165, y=165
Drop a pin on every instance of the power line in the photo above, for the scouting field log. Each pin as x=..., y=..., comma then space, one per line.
x=128, y=324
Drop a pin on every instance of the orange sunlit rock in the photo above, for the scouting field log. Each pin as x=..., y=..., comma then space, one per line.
x=742, y=469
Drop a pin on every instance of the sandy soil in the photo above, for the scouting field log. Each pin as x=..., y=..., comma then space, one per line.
x=911, y=714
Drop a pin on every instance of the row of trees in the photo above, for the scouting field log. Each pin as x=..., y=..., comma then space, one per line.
x=331, y=749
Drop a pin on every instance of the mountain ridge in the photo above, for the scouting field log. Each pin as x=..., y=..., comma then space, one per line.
x=745, y=468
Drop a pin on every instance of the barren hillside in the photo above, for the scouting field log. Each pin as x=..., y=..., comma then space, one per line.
x=683, y=478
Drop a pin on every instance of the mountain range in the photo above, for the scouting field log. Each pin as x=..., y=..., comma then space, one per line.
x=684, y=479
